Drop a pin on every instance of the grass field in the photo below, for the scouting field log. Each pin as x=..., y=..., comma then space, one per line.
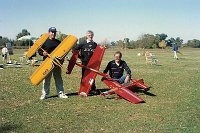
x=174, y=109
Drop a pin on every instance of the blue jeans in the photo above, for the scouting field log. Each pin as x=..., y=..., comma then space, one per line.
x=121, y=80
x=56, y=72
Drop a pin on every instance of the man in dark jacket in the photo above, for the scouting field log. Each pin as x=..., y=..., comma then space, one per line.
x=175, y=50
x=86, y=49
x=49, y=45
x=116, y=69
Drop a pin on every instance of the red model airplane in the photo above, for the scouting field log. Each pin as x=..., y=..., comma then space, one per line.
x=124, y=91
x=89, y=76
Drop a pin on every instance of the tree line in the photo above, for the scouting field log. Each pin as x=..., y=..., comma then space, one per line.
x=148, y=41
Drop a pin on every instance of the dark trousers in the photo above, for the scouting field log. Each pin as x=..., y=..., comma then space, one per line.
x=93, y=87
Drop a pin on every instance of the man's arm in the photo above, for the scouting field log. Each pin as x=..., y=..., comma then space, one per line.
x=128, y=71
x=40, y=51
x=78, y=46
x=107, y=68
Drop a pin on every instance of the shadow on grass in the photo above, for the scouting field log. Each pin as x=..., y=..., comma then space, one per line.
x=72, y=94
x=158, y=65
x=76, y=93
x=104, y=89
x=135, y=90
x=53, y=96
x=182, y=58
x=9, y=127
x=140, y=91
x=149, y=93
x=68, y=94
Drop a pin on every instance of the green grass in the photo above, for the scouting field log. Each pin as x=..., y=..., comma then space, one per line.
x=174, y=109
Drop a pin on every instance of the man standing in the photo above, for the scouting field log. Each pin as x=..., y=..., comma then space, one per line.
x=175, y=49
x=116, y=69
x=5, y=53
x=49, y=45
x=86, y=49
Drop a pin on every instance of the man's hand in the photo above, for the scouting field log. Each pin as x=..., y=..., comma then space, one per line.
x=45, y=53
x=127, y=79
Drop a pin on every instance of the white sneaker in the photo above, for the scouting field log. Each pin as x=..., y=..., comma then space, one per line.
x=43, y=96
x=62, y=95
x=83, y=94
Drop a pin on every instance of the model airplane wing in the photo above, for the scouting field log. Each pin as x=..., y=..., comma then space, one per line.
x=122, y=91
x=42, y=71
x=64, y=47
x=72, y=62
x=37, y=45
x=50, y=62
x=89, y=76
x=137, y=83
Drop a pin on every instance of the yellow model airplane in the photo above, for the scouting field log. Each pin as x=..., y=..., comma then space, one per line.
x=53, y=59
x=37, y=45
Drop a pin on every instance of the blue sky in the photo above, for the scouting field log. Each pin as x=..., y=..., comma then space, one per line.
x=109, y=19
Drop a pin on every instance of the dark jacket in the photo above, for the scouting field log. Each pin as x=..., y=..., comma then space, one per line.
x=48, y=46
x=116, y=71
x=86, y=51
x=175, y=48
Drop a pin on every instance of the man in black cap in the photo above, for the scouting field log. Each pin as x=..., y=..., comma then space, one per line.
x=49, y=45
x=86, y=49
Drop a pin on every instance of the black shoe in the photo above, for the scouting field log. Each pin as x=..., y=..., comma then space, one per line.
x=94, y=92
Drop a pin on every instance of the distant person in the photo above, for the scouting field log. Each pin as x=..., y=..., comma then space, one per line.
x=86, y=49
x=5, y=53
x=175, y=50
x=49, y=45
x=116, y=69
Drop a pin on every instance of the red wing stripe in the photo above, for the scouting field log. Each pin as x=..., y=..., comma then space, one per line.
x=132, y=94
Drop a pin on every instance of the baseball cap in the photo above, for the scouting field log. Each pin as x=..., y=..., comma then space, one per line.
x=52, y=29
